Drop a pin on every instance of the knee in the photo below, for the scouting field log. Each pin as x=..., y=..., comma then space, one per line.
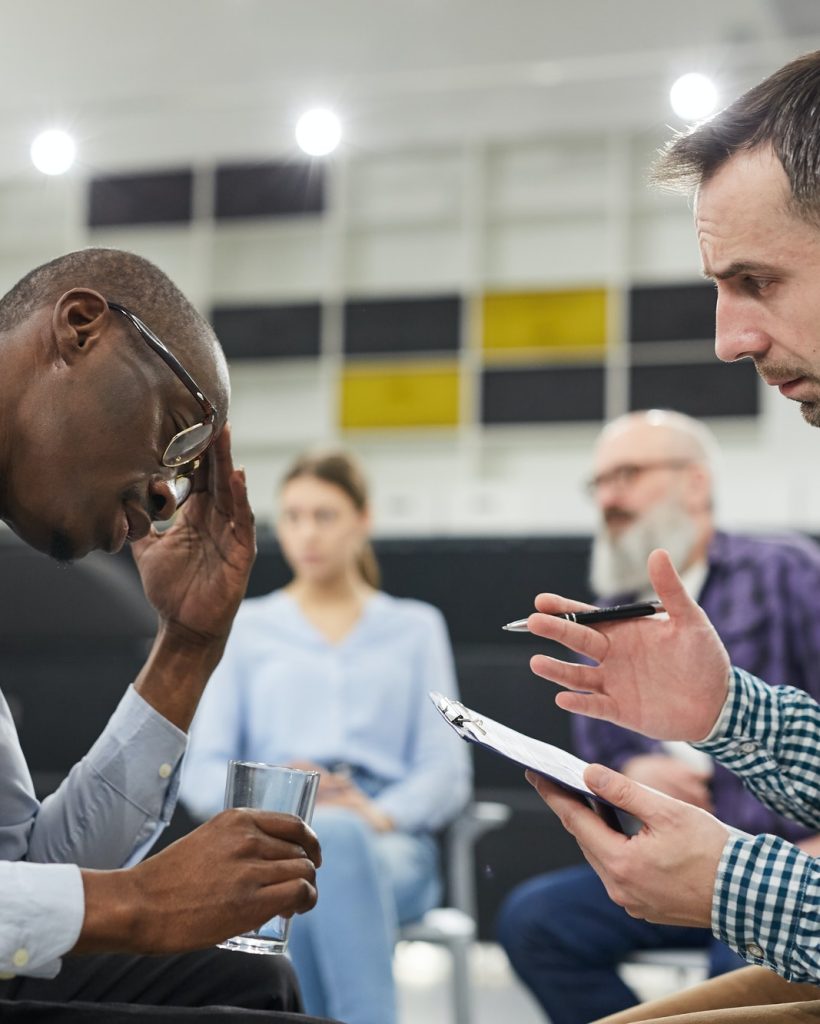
x=516, y=920
x=532, y=913
x=341, y=832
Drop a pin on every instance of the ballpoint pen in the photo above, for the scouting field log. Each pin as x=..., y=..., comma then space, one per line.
x=618, y=611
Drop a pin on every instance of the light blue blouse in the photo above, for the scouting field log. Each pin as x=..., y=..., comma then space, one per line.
x=284, y=693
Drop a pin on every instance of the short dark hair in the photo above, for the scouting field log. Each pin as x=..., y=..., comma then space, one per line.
x=120, y=276
x=782, y=111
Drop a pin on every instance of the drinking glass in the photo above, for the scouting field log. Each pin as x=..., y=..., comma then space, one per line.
x=269, y=787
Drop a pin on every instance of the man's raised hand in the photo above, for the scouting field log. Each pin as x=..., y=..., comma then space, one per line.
x=666, y=676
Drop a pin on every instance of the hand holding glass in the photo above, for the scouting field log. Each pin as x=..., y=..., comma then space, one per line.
x=268, y=787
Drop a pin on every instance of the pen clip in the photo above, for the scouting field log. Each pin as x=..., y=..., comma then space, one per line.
x=457, y=715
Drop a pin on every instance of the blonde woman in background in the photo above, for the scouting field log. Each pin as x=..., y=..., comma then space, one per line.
x=331, y=672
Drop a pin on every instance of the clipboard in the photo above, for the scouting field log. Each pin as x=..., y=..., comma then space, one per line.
x=553, y=763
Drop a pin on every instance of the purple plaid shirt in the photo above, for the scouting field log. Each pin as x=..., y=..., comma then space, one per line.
x=762, y=595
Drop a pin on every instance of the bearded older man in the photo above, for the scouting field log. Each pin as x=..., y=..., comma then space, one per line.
x=653, y=487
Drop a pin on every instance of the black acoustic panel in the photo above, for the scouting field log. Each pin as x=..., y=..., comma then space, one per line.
x=268, y=332
x=62, y=695
x=403, y=325
x=496, y=679
x=682, y=312
x=698, y=389
x=532, y=842
x=552, y=394
x=269, y=190
x=161, y=198
x=501, y=575
x=96, y=599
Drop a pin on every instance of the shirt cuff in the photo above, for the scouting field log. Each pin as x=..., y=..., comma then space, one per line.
x=758, y=902
x=43, y=912
x=139, y=756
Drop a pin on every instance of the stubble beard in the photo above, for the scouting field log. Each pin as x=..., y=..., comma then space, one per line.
x=810, y=411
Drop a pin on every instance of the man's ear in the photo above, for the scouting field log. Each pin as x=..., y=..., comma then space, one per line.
x=79, y=321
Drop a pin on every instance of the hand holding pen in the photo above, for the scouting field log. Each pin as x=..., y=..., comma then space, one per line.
x=596, y=615
x=667, y=678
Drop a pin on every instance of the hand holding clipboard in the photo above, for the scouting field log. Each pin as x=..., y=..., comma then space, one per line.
x=552, y=762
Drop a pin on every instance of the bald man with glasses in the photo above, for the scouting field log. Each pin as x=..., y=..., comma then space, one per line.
x=113, y=401
x=653, y=487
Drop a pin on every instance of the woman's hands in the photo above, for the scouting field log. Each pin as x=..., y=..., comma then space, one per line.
x=336, y=789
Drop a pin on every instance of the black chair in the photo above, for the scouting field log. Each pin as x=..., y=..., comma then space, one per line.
x=72, y=639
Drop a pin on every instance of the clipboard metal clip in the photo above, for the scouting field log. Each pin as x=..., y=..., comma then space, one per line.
x=457, y=715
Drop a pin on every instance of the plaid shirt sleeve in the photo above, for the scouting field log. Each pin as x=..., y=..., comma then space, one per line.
x=770, y=737
x=767, y=892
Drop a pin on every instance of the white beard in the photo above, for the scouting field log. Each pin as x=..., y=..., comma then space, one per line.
x=618, y=564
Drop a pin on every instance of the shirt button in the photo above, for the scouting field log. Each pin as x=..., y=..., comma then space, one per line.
x=7, y=975
x=165, y=770
x=20, y=958
x=749, y=747
x=754, y=950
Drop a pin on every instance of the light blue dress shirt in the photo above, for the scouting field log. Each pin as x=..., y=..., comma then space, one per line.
x=106, y=814
x=284, y=693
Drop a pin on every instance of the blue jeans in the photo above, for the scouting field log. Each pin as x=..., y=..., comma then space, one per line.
x=369, y=883
x=564, y=937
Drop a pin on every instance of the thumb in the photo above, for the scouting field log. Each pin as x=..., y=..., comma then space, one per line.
x=624, y=793
x=667, y=585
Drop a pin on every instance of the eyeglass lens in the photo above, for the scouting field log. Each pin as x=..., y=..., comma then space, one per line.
x=188, y=444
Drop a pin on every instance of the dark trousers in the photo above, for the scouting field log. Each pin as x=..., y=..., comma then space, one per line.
x=565, y=937
x=213, y=985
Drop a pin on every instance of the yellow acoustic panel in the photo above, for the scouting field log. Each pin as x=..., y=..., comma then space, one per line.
x=550, y=325
x=406, y=394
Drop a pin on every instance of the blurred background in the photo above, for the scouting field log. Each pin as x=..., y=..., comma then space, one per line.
x=461, y=291
x=469, y=283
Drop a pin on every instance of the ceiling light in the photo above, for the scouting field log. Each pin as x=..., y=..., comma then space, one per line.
x=318, y=132
x=693, y=97
x=53, y=152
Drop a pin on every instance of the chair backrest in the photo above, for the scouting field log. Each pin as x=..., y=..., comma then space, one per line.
x=71, y=640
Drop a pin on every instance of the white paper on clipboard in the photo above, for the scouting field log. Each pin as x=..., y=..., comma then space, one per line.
x=558, y=764
x=553, y=762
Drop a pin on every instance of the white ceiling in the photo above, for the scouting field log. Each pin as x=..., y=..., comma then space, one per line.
x=161, y=82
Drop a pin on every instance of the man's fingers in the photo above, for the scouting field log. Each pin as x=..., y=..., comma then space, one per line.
x=242, y=515
x=593, y=834
x=583, y=684
x=597, y=866
x=583, y=639
x=220, y=470
x=289, y=828
x=296, y=896
x=592, y=705
x=584, y=678
x=625, y=793
x=553, y=604
x=667, y=585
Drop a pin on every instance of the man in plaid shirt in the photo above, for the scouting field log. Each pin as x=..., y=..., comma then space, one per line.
x=755, y=173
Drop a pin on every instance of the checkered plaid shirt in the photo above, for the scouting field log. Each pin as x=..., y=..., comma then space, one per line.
x=767, y=892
